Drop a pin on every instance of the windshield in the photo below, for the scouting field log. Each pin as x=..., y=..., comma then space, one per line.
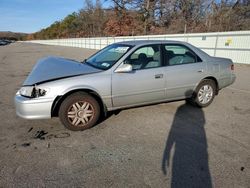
x=107, y=57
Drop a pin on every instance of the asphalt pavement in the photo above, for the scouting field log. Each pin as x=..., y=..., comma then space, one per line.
x=165, y=145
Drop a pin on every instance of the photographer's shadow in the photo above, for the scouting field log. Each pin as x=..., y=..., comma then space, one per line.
x=188, y=144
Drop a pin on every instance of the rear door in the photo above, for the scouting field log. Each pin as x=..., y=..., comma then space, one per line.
x=184, y=69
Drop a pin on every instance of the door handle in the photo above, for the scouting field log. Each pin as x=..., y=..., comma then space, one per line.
x=157, y=76
x=200, y=70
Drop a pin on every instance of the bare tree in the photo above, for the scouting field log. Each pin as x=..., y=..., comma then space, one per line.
x=137, y=17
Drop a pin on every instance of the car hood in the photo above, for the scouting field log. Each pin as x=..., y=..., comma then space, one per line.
x=52, y=68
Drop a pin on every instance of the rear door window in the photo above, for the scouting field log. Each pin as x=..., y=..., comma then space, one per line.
x=179, y=54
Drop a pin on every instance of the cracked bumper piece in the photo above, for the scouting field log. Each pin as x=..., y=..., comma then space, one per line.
x=33, y=108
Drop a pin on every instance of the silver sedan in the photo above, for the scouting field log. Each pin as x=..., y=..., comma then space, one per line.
x=122, y=75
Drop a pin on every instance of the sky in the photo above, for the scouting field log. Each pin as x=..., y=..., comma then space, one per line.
x=29, y=16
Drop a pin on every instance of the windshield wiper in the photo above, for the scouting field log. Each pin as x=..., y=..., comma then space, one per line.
x=87, y=63
x=84, y=61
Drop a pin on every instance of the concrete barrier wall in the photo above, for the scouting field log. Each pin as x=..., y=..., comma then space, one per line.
x=233, y=45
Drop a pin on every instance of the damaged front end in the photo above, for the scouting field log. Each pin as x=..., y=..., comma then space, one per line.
x=35, y=98
x=32, y=91
x=54, y=68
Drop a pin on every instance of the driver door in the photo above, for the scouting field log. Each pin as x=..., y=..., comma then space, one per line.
x=145, y=83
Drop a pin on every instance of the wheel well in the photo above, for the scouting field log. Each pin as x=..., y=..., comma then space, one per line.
x=59, y=99
x=215, y=81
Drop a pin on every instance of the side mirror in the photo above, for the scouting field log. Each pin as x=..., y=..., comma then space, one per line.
x=124, y=68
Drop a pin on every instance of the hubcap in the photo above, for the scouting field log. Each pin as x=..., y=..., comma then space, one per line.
x=205, y=94
x=80, y=113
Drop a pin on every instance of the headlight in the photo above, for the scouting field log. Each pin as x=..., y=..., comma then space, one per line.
x=32, y=91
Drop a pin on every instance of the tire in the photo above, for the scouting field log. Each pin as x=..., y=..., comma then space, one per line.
x=79, y=111
x=204, y=93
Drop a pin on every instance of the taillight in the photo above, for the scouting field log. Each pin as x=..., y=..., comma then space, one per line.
x=232, y=67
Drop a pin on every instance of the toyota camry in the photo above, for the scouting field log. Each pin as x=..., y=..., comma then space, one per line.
x=122, y=75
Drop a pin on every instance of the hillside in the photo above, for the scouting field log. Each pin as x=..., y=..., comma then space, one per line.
x=12, y=35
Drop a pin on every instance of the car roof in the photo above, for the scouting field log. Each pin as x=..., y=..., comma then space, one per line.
x=145, y=42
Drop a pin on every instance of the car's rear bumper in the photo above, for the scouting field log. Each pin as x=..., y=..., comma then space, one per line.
x=226, y=81
x=33, y=108
x=233, y=78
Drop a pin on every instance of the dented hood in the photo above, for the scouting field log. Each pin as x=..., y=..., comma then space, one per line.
x=52, y=68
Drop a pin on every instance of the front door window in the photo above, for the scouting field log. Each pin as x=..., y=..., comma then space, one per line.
x=145, y=57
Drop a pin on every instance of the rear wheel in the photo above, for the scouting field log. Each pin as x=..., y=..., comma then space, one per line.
x=79, y=111
x=204, y=93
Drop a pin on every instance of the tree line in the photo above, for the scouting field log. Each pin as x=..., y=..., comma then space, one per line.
x=143, y=17
x=12, y=35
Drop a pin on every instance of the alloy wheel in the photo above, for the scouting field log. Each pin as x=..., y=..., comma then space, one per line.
x=205, y=94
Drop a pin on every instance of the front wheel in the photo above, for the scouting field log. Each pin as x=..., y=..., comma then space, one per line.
x=204, y=93
x=79, y=111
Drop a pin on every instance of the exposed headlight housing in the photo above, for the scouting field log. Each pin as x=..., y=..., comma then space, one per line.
x=32, y=91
